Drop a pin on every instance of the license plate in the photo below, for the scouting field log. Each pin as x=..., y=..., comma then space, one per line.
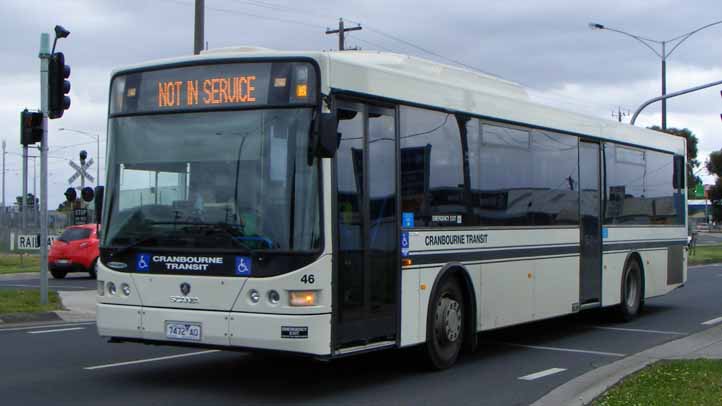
x=62, y=261
x=179, y=330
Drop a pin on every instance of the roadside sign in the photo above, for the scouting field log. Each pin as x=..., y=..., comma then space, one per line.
x=699, y=191
x=27, y=242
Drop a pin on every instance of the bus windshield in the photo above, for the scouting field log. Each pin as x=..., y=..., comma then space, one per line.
x=232, y=180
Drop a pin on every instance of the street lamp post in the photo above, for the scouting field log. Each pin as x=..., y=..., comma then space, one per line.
x=663, y=54
x=97, y=139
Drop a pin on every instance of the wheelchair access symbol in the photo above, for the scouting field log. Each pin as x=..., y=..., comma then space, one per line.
x=405, y=244
x=142, y=262
x=243, y=266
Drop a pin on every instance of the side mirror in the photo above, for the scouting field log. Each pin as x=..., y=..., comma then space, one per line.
x=99, y=191
x=679, y=172
x=324, y=142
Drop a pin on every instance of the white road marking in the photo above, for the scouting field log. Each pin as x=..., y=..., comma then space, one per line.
x=539, y=347
x=44, y=326
x=638, y=330
x=542, y=374
x=56, y=330
x=142, y=361
x=713, y=321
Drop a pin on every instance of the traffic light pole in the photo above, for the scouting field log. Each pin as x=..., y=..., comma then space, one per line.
x=24, y=201
x=44, y=56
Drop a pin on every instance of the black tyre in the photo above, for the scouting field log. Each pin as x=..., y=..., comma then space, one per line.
x=92, y=271
x=445, y=325
x=631, y=303
x=58, y=274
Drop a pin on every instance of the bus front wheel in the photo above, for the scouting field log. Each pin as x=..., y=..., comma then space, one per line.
x=631, y=302
x=445, y=325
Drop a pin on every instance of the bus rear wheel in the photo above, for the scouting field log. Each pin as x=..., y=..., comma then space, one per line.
x=445, y=325
x=631, y=302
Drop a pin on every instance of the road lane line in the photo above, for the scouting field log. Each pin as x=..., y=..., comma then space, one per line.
x=56, y=330
x=542, y=374
x=46, y=326
x=142, y=361
x=539, y=347
x=713, y=321
x=638, y=330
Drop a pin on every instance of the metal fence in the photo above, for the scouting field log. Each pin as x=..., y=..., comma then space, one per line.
x=11, y=223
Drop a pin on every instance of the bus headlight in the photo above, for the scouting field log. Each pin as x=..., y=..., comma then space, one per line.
x=302, y=297
x=111, y=289
x=273, y=297
x=125, y=289
x=254, y=296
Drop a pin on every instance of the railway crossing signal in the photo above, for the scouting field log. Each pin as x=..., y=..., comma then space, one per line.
x=81, y=171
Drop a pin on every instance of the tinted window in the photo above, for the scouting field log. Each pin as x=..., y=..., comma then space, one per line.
x=640, y=187
x=74, y=234
x=432, y=180
x=521, y=177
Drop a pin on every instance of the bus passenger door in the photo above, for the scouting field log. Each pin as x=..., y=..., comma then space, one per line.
x=590, y=273
x=367, y=257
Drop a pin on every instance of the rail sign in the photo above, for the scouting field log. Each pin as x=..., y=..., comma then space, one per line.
x=27, y=241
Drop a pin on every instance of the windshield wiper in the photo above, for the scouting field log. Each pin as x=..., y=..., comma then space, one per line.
x=228, y=230
x=134, y=244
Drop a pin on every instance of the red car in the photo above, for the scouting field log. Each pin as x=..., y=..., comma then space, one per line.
x=76, y=250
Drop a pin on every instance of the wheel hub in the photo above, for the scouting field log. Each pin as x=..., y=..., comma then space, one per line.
x=448, y=319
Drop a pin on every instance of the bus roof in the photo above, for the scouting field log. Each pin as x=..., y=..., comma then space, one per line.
x=419, y=81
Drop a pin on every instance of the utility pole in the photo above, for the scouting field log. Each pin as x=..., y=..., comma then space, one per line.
x=341, y=31
x=619, y=113
x=199, y=30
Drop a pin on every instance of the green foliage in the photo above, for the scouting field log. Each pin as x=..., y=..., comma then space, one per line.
x=706, y=254
x=681, y=382
x=692, y=161
x=26, y=301
x=17, y=263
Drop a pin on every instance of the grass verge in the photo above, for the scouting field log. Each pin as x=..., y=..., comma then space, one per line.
x=26, y=301
x=683, y=382
x=706, y=254
x=16, y=263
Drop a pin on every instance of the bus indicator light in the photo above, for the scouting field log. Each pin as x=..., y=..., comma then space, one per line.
x=302, y=90
x=302, y=298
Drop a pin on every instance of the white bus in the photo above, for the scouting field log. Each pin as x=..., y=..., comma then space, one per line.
x=332, y=203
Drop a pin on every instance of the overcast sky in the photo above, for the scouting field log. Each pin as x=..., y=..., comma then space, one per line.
x=544, y=45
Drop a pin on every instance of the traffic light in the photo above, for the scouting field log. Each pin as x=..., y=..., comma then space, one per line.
x=71, y=194
x=31, y=127
x=58, y=86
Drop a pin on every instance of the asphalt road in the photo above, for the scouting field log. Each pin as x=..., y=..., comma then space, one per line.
x=74, y=281
x=70, y=364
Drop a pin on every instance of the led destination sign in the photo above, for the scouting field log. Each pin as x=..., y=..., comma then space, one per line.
x=203, y=87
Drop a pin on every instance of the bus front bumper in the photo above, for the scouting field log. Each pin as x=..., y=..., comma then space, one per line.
x=306, y=334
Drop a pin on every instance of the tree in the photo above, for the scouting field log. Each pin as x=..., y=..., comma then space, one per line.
x=692, y=161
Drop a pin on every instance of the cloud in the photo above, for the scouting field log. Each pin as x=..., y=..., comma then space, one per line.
x=543, y=45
